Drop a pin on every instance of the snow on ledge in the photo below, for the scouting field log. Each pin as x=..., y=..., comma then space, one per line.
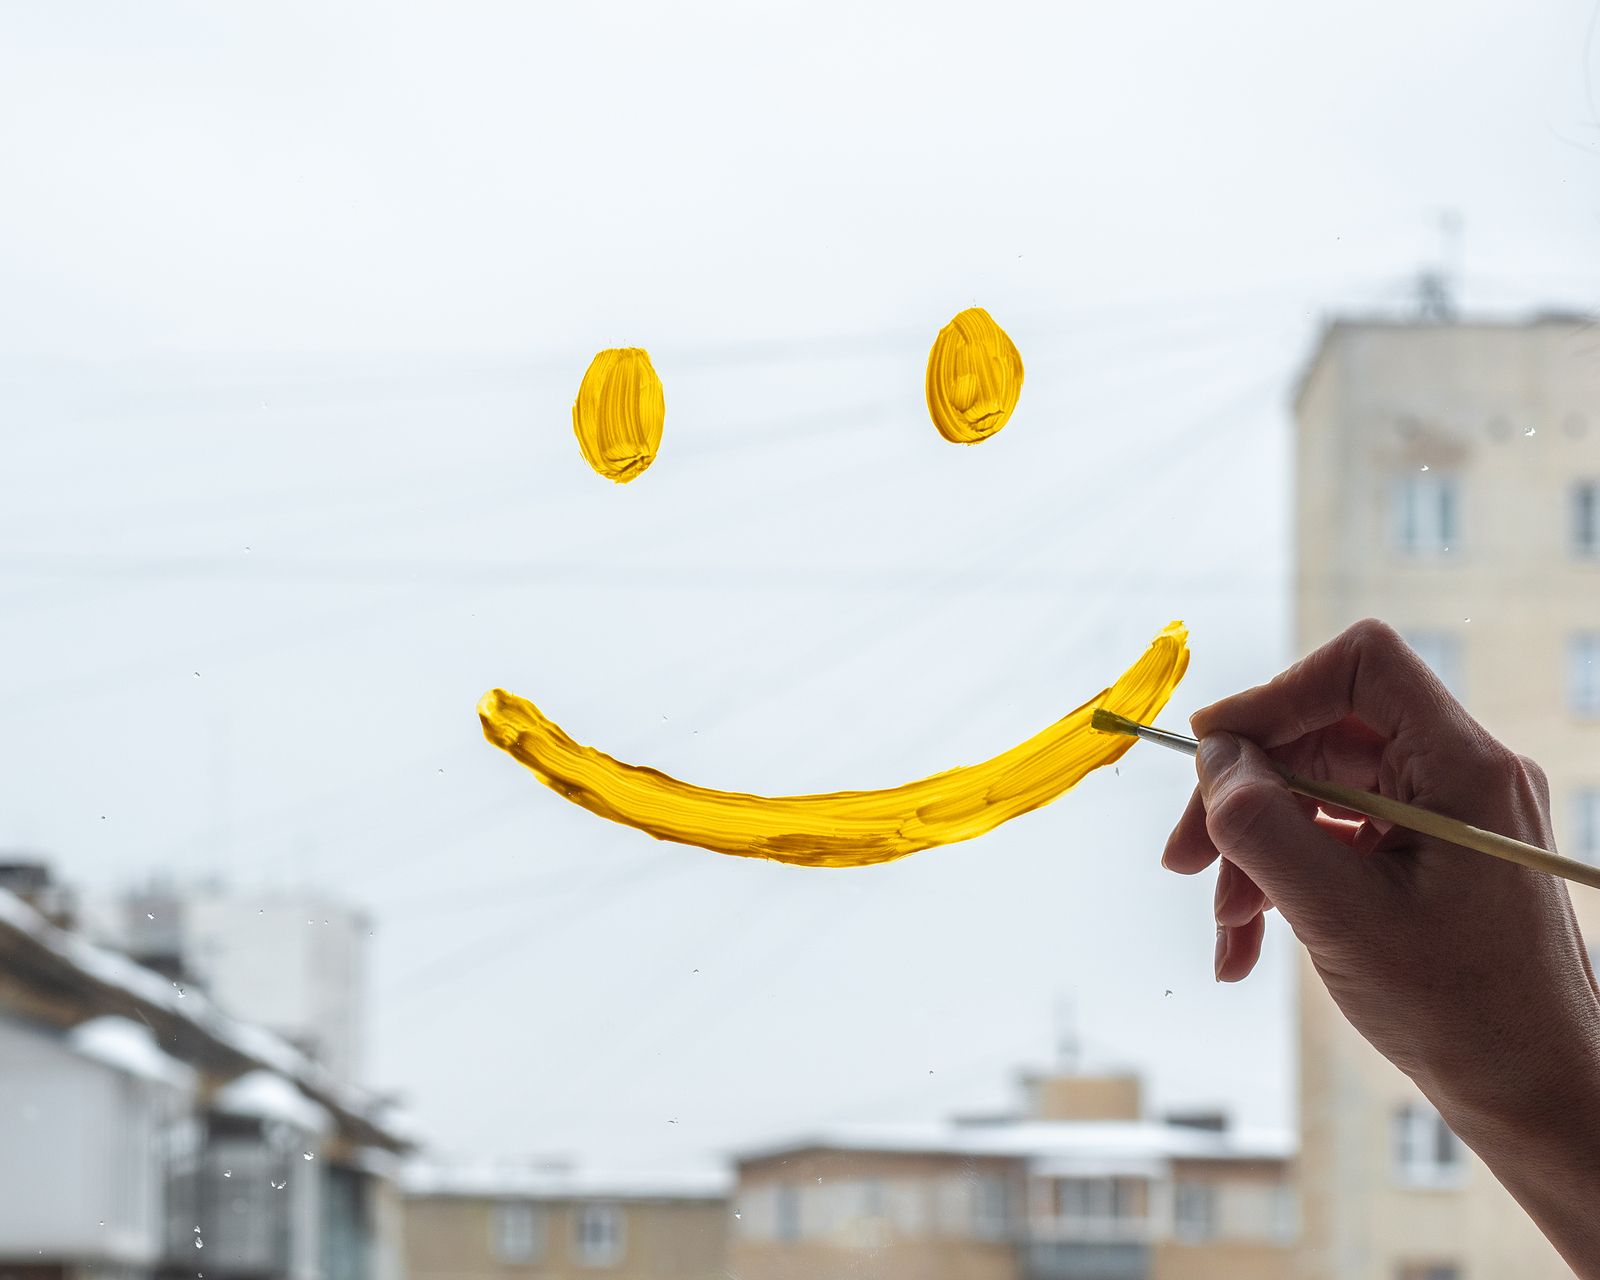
x=129, y=1047
x=266, y=1095
x=503, y=1179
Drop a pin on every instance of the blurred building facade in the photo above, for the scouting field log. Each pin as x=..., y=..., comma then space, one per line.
x=496, y=1221
x=1079, y=1187
x=145, y=1133
x=295, y=963
x=1447, y=481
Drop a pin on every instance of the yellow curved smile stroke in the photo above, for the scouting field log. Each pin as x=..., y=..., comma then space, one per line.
x=841, y=828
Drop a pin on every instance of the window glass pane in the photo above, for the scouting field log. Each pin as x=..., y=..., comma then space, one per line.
x=1583, y=674
x=516, y=1232
x=1585, y=817
x=598, y=1234
x=1426, y=512
x=1586, y=518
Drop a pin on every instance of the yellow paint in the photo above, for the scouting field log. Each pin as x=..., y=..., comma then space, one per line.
x=618, y=413
x=844, y=828
x=974, y=378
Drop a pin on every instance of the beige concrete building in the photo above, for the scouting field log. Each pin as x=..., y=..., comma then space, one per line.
x=1448, y=481
x=556, y=1222
x=1082, y=1188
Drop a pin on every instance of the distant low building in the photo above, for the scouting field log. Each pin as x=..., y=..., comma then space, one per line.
x=145, y=1134
x=1041, y=1197
x=498, y=1220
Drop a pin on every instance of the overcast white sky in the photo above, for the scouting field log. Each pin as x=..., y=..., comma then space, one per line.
x=294, y=300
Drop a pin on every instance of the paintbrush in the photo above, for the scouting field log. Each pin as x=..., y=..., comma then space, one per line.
x=1382, y=808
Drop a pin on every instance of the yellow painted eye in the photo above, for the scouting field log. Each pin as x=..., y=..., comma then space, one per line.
x=974, y=378
x=618, y=413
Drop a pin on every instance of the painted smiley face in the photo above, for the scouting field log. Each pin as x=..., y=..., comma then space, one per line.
x=973, y=383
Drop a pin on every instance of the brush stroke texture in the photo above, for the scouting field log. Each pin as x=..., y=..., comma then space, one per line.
x=974, y=378
x=619, y=412
x=842, y=828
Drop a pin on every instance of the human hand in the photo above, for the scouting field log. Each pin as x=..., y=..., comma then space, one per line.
x=1465, y=971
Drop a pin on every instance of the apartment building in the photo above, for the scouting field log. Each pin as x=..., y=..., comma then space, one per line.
x=146, y=1134
x=1079, y=1187
x=1448, y=481
x=492, y=1220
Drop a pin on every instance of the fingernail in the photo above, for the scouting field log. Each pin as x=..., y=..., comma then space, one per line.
x=1222, y=953
x=1217, y=752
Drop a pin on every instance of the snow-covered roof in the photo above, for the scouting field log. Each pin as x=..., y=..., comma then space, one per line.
x=1077, y=1144
x=255, y=1044
x=268, y=1096
x=497, y=1179
x=130, y=1047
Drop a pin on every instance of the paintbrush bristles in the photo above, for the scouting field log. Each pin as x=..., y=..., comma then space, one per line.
x=1111, y=722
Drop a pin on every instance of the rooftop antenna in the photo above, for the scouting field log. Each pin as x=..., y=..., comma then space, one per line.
x=1438, y=286
x=1068, y=1049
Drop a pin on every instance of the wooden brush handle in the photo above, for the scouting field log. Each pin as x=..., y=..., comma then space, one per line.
x=1452, y=829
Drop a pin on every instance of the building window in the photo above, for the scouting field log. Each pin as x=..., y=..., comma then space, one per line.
x=1194, y=1211
x=1583, y=674
x=1426, y=1153
x=991, y=1208
x=1427, y=513
x=1586, y=519
x=1428, y=1271
x=786, y=1212
x=1441, y=650
x=516, y=1233
x=1586, y=825
x=1096, y=1202
x=597, y=1235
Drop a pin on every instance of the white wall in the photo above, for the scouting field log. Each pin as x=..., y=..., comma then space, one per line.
x=81, y=1144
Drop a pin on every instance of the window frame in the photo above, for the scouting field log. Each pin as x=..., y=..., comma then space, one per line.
x=1583, y=674
x=530, y=1223
x=991, y=1207
x=586, y=1252
x=1583, y=519
x=1188, y=1227
x=1430, y=498
x=1424, y=1153
x=786, y=1224
x=1585, y=816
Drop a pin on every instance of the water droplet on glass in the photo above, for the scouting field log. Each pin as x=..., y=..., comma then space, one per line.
x=1167, y=993
x=181, y=992
x=197, y=1231
x=102, y=1222
x=227, y=1173
x=737, y=1214
x=196, y=675
x=309, y=1156
x=1528, y=432
x=199, y=1243
x=277, y=1186
x=149, y=915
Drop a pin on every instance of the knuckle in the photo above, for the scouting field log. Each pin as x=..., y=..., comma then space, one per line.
x=1235, y=817
x=1535, y=773
x=1374, y=633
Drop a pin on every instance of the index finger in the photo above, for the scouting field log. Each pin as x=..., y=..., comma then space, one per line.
x=1366, y=671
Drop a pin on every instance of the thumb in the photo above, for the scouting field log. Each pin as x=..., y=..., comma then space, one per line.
x=1256, y=822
